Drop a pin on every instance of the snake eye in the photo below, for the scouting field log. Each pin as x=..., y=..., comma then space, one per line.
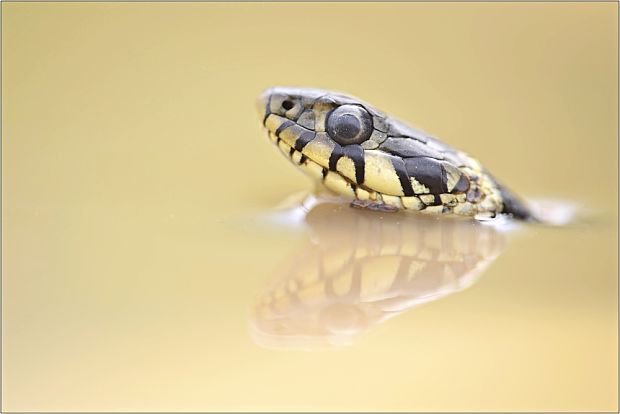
x=288, y=105
x=349, y=124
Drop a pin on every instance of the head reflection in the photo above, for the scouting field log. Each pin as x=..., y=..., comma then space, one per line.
x=361, y=268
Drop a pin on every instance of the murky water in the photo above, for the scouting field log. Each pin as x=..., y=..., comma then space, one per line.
x=148, y=261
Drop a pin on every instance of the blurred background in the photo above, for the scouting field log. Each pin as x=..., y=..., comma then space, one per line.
x=136, y=173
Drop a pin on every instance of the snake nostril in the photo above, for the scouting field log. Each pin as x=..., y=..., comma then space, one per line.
x=287, y=105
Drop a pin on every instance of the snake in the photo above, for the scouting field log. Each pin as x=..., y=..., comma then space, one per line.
x=377, y=161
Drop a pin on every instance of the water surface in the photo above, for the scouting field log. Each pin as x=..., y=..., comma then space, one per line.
x=146, y=268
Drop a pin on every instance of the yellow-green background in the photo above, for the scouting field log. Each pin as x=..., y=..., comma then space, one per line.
x=133, y=162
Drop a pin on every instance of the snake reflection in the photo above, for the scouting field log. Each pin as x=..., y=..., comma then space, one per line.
x=360, y=269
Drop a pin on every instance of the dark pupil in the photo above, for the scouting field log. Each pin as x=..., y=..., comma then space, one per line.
x=287, y=105
x=347, y=126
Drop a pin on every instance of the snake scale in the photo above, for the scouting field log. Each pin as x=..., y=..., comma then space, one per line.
x=377, y=161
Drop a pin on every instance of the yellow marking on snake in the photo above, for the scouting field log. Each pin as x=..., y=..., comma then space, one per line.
x=412, y=203
x=418, y=188
x=346, y=167
x=338, y=184
x=313, y=169
x=319, y=149
x=380, y=174
x=362, y=194
x=290, y=134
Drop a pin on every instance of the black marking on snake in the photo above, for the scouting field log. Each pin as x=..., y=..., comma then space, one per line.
x=291, y=152
x=337, y=152
x=444, y=176
x=353, y=187
x=303, y=140
x=324, y=173
x=409, y=148
x=283, y=126
x=302, y=159
x=278, y=141
x=401, y=171
x=356, y=154
x=428, y=172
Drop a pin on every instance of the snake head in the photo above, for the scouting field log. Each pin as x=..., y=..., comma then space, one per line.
x=377, y=161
